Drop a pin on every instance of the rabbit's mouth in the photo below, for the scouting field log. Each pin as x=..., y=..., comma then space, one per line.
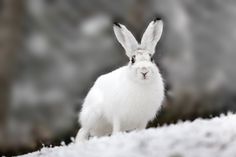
x=144, y=77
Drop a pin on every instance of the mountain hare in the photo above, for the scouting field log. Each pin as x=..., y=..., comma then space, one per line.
x=128, y=97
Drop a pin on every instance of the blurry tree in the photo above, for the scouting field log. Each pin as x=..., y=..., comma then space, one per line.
x=11, y=12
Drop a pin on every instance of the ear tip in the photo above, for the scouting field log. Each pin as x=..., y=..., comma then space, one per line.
x=157, y=19
x=117, y=24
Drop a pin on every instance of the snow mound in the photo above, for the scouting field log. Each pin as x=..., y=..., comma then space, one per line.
x=201, y=138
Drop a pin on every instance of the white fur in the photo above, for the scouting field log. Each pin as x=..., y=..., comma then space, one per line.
x=126, y=39
x=124, y=100
x=152, y=35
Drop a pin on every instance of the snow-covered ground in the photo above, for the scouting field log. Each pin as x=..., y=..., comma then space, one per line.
x=201, y=138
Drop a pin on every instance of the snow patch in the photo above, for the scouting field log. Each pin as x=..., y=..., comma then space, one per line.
x=201, y=138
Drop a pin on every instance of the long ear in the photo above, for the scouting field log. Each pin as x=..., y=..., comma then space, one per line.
x=152, y=35
x=125, y=37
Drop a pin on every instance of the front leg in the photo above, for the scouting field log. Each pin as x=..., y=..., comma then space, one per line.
x=116, y=126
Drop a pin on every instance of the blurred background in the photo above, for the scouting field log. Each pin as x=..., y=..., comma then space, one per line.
x=51, y=52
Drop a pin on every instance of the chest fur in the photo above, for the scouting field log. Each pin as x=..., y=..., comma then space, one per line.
x=135, y=103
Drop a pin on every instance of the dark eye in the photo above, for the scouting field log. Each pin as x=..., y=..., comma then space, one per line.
x=152, y=59
x=133, y=59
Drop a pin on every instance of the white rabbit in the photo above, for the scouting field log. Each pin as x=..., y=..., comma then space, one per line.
x=128, y=97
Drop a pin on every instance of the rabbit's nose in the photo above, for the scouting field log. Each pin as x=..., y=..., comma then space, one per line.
x=144, y=74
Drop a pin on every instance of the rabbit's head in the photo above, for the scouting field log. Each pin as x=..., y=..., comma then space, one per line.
x=141, y=65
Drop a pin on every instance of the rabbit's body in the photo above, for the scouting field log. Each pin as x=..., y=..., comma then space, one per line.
x=114, y=96
x=127, y=98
